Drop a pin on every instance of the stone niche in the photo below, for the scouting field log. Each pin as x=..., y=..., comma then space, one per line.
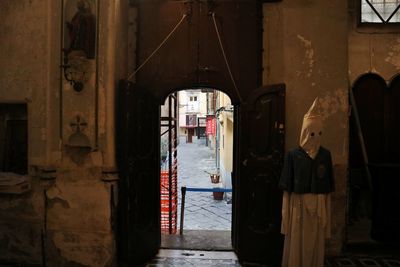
x=79, y=87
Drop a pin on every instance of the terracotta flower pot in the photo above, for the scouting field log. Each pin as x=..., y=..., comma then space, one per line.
x=218, y=195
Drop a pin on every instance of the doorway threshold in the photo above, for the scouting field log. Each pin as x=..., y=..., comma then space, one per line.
x=197, y=254
x=217, y=240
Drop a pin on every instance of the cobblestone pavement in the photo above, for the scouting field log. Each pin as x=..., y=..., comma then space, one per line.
x=202, y=212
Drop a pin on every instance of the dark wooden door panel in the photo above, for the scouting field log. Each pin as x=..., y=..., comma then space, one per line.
x=138, y=162
x=369, y=93
x=378, y=109
x=392, y=122
x=258, y=198
x=192, y=56
x=241, y=43
x=174, y=64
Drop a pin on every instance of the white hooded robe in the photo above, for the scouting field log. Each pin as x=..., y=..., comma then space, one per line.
x=306, y=218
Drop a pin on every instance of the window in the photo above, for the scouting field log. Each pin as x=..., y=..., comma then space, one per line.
x=380, y=11
x=13, y=138
x=193, y=98
x=191, y=120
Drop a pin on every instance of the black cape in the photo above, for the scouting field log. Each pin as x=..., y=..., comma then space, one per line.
x=301, y=174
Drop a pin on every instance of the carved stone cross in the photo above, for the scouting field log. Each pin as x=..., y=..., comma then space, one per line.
x=78, y=125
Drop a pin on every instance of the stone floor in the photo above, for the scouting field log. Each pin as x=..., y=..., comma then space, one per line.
x=169, y=257
x=202, y=212
x=183, y=258
x=216, y=240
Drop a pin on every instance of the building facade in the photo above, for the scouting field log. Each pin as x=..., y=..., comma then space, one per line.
x=192, y=114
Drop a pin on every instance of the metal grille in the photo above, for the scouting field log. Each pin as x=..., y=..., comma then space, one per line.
x=380, y=11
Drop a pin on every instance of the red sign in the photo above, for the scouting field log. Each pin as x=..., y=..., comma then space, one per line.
x=210, y=125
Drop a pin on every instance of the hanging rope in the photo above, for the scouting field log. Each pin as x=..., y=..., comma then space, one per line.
x=158, y=48
x=226, y=60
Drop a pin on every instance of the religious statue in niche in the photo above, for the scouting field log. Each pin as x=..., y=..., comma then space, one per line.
x=307, y=180
x=79, y=42
x=82, y=30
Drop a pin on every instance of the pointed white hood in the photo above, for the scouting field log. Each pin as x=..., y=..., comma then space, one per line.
x=311, y=131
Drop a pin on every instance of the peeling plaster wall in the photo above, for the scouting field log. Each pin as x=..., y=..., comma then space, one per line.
x=81, y=203
x=21, y=226
x=372, y=49
x=308, y=52
x=79, y=218
x=67, y=218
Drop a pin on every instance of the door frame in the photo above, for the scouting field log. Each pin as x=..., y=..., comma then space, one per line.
x=201, y=70
x=190, y=134
x=239, y=200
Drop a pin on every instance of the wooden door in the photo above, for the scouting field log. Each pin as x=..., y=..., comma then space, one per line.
x=392, y=122
x=378, y=110
x=138, y=159
x=369, y=91
x=385, y=217
x=257, y=200
x=193, y=56
x=190, y=135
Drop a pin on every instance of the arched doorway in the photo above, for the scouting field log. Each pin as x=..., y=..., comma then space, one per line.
x=196, y=170
x=216, y=44
x=374, y=161
x=258, y=155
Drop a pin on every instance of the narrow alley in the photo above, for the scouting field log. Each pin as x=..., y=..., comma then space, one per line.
x=202, y=211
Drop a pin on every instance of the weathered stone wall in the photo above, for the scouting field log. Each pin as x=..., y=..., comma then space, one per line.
x=79, y=215
x=21, y=226
x=68, y=217
x=305, y=47
x=81, y=210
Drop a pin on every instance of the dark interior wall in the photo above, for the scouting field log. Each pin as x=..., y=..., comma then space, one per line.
x=66, y=219
x=309, y=53
x=372, y=48
x=24, y=57
x=23, y=64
